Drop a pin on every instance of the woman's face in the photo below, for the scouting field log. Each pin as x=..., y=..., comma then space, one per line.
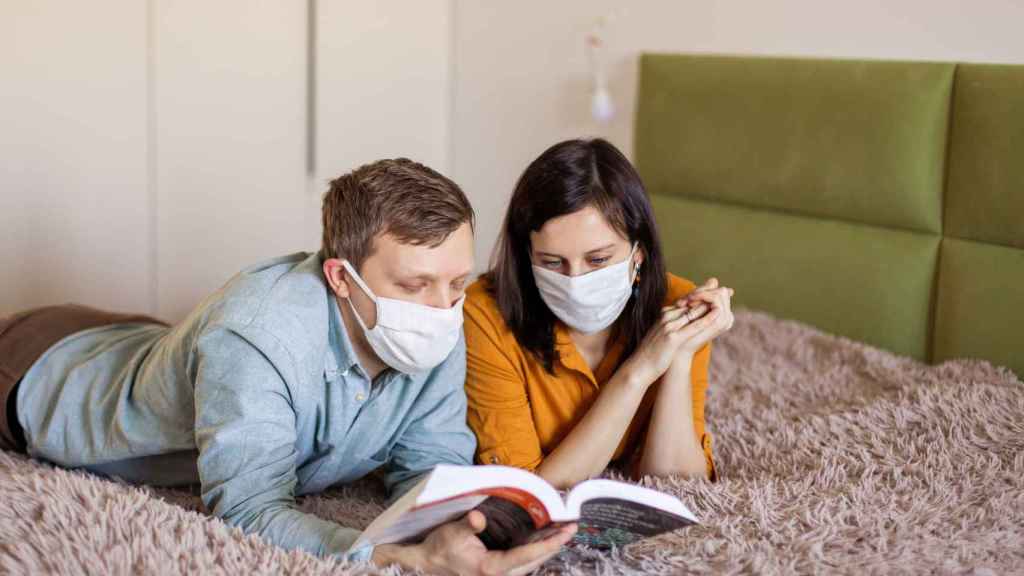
x=578, y=243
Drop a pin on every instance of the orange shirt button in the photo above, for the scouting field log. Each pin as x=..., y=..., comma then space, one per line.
x=494, y=460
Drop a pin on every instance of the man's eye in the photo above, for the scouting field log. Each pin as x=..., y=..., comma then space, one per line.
x=411, y=289
x=459, y=285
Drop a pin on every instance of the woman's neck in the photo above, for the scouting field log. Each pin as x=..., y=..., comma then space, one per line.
x=592, y=347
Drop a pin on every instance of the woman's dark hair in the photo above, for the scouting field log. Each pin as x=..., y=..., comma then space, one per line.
x=568, y=177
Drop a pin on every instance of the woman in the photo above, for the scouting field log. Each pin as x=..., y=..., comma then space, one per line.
x=581, y=350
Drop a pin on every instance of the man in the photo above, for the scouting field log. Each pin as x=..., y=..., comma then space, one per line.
x=300, y=373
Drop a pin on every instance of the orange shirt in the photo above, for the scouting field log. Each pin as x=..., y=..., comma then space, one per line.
x=520, y=412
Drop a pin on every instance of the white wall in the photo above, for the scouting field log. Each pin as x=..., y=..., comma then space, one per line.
x=384, y=83
x=148, y=150
x=74, y=205
x=383, y=88
x=522, y=76
x=229, y=99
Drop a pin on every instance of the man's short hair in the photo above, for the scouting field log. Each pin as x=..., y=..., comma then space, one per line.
x=399, y=197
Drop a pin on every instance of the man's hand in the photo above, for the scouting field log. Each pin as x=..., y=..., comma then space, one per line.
x=454, y=548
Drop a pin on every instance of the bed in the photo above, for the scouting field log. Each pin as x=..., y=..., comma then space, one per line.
x=883, y=201
x=867, y=406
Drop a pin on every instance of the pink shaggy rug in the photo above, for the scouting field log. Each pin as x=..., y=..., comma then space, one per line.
x=834, y=458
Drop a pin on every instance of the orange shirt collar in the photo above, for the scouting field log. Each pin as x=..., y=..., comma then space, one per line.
x=570, y=357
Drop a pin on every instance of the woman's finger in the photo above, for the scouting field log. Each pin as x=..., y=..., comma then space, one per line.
x=672, y=314
x=690, y=320
x=699, y=309
x=699, y=334
x=722, y=298
x=709, y=296
x=701, y=329
x=684, y=302
x=705, y=287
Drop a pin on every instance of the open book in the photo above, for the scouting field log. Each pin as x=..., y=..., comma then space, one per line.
x=521, y=507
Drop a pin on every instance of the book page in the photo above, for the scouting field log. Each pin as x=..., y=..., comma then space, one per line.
x=414, y=525
x=449, y=481
x=620, y=490
x=608, y=522
x=615, y=513
x=389, y=517
x=514, y=501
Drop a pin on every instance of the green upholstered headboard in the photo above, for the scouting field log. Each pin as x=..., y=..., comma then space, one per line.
x=883, y=201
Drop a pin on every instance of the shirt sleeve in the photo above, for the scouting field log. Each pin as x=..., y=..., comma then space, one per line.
x=245, y=433
x=698, y=388
x=437, y=432
x=499, y=410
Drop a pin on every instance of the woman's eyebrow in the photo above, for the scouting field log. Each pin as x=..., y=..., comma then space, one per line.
x=591, y=251
x=551, y=254
x=602, y=248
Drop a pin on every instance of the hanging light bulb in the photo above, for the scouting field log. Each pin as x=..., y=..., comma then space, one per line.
x=602, y=108
x=601, y=105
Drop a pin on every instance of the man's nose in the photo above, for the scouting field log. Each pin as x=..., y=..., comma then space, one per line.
x=443, y=298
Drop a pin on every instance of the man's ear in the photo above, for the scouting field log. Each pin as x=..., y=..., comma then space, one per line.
x=336, y=277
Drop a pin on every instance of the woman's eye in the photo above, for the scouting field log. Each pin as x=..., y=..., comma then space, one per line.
x=552, y=263
x=598, y=261
x=410, y=289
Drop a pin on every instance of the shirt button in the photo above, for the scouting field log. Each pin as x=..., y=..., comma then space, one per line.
x=494, y=460
x=360, y=397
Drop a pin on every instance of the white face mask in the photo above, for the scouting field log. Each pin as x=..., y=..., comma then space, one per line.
x=590, y=302
x=410, y=337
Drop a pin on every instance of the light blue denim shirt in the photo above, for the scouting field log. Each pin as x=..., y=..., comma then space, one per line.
x=257, y=395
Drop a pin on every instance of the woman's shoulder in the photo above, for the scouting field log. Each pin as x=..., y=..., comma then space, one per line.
x=677, y=287
x=479, y=295
x=485, y=326
x=480, y=303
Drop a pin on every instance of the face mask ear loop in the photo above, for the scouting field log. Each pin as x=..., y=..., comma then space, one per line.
x=366, y=290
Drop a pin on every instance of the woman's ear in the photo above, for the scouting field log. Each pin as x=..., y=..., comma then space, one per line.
x=334, y=275
x=638, y=258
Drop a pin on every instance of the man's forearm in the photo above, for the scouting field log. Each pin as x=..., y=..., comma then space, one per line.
x=292, y=529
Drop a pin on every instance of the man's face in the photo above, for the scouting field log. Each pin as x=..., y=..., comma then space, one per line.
x=434, y=277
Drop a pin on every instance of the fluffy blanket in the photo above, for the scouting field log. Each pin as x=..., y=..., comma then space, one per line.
x=834, y=457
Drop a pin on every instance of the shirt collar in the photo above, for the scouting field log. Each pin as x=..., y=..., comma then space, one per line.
x=569, y=355
x=562, y=336
x=341, y=346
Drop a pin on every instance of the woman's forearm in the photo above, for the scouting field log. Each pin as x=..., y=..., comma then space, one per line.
x=588, y=448
x=672, y=446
